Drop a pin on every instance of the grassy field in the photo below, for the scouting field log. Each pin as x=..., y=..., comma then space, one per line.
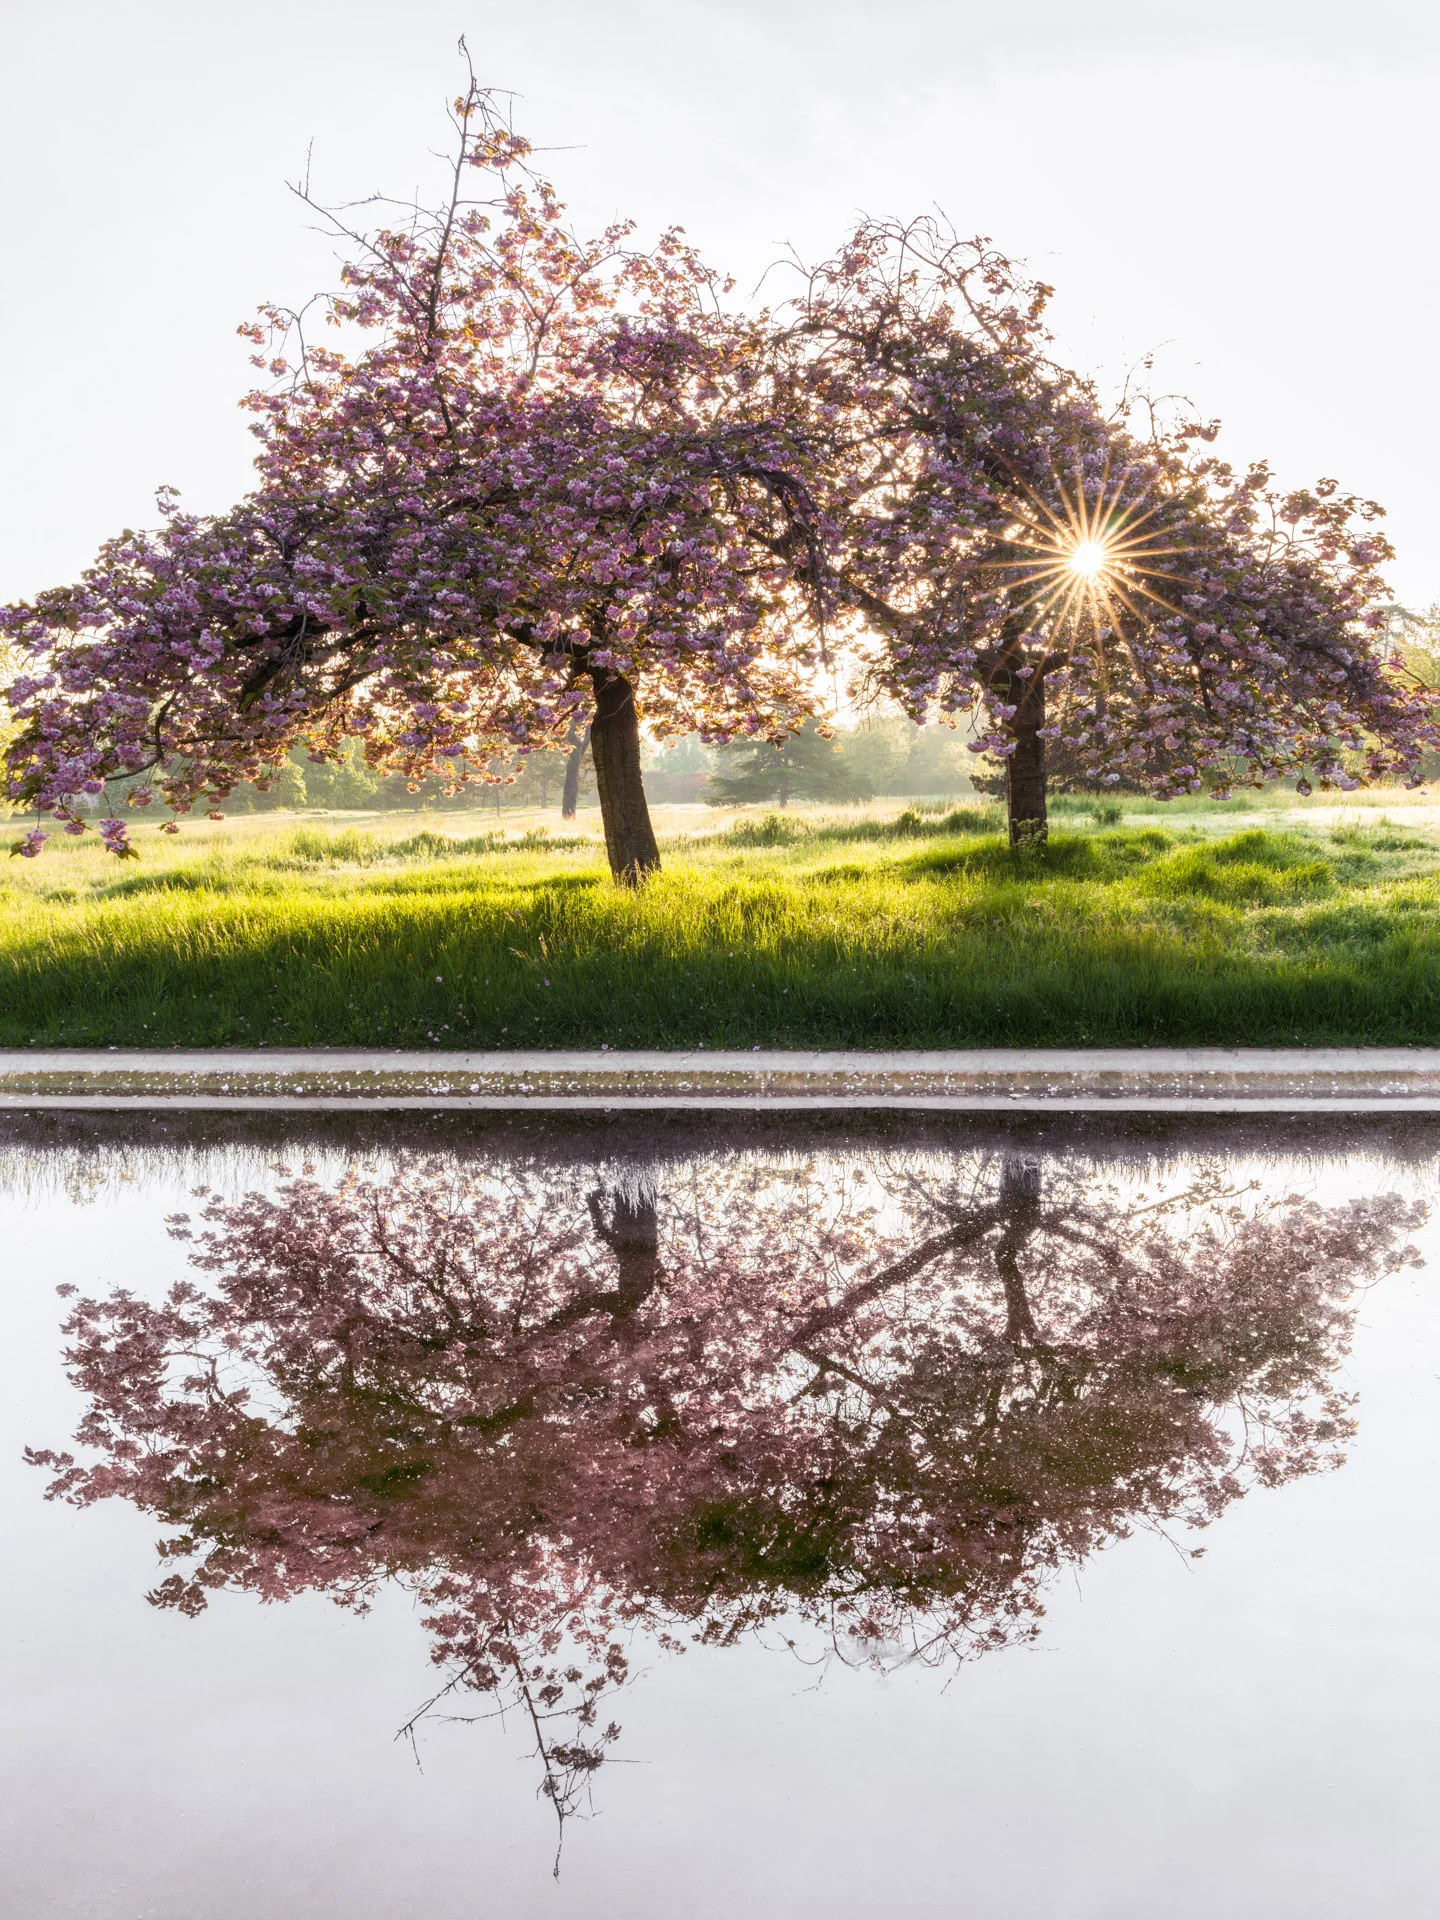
x=1200, y=922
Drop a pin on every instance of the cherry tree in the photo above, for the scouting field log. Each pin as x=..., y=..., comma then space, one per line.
x=1017, y=556
x=881, y=1408
x=517, y=486
x=533, y=481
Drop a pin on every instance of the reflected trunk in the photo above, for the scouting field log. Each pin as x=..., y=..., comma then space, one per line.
x=1020, y=1184
x=632, y=1233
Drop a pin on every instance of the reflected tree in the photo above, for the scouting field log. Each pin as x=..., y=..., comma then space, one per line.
x=870, y=1407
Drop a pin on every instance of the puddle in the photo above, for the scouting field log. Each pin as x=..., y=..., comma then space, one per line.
x=939, y=1516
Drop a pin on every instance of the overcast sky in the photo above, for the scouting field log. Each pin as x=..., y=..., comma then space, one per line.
x=1247, y=187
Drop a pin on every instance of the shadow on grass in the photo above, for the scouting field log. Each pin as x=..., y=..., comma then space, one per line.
x=783, y=830
x=1097, y=857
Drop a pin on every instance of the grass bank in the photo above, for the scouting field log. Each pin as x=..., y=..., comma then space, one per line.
x=1204, y=925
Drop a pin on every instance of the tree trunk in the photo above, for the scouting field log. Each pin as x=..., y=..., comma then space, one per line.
x=570, y=796
x=1025, y=768
x=615, y=749
x=1020, y=1189
x=632, y=1234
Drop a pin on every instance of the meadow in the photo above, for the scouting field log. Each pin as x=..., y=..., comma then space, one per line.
x=893, y=924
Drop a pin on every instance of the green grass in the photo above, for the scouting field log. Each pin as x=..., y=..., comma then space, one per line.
x=785, y=930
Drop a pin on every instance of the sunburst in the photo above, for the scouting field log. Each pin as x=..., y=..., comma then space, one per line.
x=1091, y=561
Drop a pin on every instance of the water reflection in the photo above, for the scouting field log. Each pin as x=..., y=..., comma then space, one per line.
x=864, y=1409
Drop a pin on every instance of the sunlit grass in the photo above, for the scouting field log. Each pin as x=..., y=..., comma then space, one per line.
x=838, y=929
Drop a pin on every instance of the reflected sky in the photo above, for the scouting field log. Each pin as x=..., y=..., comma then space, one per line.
x=954, y=1524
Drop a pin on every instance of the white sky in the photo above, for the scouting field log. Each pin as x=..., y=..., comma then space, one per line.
x=1247, y=186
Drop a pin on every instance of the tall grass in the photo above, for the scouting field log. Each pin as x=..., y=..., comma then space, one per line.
x=784, y=931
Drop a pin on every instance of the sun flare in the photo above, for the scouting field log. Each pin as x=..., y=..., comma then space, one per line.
x=1089, y=559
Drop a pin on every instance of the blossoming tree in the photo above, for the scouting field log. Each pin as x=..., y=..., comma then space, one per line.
x=883, y=1409
x=1013, y=554
x=530, y=494
x=533, y=481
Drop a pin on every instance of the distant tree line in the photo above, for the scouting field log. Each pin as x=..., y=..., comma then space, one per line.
x=879, y=756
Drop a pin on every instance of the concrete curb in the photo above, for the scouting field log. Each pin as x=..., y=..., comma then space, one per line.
x=1109, y=1079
